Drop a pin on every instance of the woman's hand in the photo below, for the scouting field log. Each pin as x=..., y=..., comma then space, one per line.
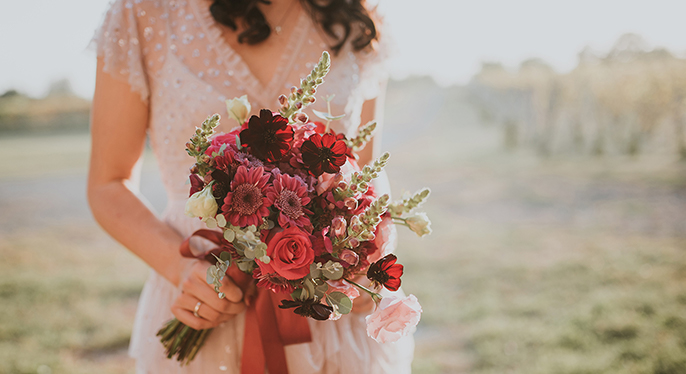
x=212, y=310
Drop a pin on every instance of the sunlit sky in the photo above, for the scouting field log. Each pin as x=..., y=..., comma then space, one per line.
x=45, y=40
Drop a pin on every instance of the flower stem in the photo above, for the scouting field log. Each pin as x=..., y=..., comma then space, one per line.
x=375, y=296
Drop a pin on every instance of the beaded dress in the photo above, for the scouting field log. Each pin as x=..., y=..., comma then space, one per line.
x=173, y=54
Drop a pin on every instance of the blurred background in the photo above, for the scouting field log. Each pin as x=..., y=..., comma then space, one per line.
x=553, y=137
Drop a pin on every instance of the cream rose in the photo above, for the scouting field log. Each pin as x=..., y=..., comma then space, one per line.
x=239, y=108
x=419, y=223
x=202, y=204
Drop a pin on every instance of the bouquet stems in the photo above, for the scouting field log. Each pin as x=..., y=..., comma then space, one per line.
x=181, y=341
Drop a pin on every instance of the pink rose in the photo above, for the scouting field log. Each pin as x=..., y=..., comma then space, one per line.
x=290, y=252
x=393, y=318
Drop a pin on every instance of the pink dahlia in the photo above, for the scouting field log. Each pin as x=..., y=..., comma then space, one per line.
x=289, y=196
x=246, y=204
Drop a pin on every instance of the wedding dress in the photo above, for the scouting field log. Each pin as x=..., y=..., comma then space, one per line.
x=173, y=54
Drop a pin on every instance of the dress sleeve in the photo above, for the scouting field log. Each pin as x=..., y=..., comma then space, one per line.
x=117, y=42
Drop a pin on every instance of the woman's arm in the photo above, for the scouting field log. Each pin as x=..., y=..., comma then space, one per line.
x=119, y=121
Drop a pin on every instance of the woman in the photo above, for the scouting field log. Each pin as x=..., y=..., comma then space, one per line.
x=163, y=67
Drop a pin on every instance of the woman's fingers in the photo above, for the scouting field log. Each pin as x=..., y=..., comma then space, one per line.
x=206, y=294
x=230, y=290
x=184, y=314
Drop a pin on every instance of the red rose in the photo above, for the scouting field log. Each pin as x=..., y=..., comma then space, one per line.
x=290, y=252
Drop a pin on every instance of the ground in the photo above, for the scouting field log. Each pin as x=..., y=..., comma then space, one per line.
x=564, y=265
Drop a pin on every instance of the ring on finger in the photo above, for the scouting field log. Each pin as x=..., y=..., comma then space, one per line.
x=196, y=309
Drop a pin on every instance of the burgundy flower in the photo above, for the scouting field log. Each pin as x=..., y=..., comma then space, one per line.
x=272, y=281
x=197, y=184
x=246, y=204
x=289, y=196
x=323, y=154
x=268, y=136
x=308, y=308
x=386, y=272
x=321, y=127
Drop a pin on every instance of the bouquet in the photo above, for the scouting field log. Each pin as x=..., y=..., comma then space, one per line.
x=297, y=215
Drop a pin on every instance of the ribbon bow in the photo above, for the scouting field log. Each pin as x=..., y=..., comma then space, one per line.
x=268, y=328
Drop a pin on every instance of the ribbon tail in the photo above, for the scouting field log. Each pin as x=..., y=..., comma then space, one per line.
x=252, y=358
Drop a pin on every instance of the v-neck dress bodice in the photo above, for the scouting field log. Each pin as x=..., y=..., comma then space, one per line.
x=173, y=54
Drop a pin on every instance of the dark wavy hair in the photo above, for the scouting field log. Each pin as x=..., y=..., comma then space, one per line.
x=350, y=16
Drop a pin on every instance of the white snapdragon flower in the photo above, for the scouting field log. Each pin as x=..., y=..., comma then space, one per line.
x=238, y=108
x=419, y=223
x=202, y=204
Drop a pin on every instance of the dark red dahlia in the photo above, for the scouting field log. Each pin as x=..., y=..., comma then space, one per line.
x=197, y=184
x=308, y=308
x=386, y=272
x=323, y=154
x=268, y=136
x=322, y=127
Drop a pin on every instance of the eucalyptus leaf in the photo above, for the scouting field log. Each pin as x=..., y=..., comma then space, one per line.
x=340, y=301
x=297, y=294
x=229, y=235
x=327, y=116
x=309, y=287
x=320, y=290
x=225, y=256
x=211, y=272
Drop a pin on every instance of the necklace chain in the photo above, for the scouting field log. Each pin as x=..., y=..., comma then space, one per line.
x=278, y=28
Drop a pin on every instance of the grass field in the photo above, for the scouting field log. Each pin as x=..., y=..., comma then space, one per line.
x=558, y=266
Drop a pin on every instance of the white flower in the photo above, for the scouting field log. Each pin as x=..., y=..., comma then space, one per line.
x=238, y=108
x=202, y=204
x=419, y=223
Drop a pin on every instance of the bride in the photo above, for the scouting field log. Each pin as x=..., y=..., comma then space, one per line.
x=163, y=67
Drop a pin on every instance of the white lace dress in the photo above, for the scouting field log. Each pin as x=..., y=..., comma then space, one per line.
x=173, y=54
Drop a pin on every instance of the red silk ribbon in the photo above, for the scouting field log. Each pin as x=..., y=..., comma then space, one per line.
x=268, y=328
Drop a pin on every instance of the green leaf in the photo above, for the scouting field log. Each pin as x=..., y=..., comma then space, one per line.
x=327, y=116
x=340, y=301
x=297, y=294
x=320, y=290
x=225, y=256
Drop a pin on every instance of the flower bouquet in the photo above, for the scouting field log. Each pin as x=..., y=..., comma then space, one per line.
x=297, y=216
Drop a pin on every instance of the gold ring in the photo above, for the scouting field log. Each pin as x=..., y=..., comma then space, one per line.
x=196, y=309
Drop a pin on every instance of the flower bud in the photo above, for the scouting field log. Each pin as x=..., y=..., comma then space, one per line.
x=350, y=203
x=238, y=108
x=283, y=100
x=294, y=89
x=201, y=204
x=301, y=117
x=419, y=223
x=354, y=242
x=350, y=257
x=312, y=99
x=338, y=224
x=299, y=105
x=368, y=236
